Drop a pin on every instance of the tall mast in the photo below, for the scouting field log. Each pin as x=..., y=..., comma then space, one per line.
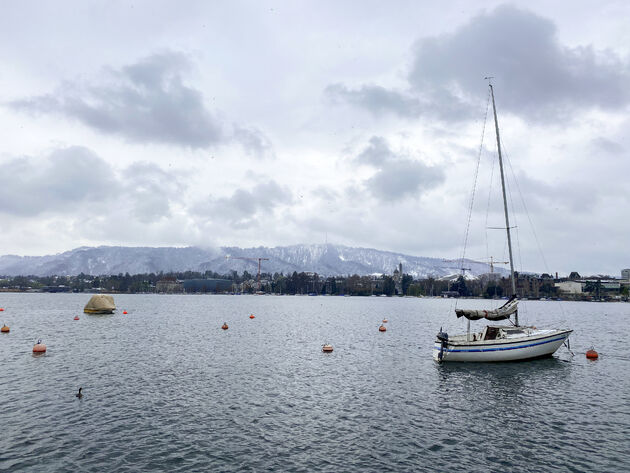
x=505, y=207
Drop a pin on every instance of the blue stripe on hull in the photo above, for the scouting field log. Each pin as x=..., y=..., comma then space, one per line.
x=450, y=350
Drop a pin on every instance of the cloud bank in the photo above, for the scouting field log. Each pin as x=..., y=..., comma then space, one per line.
x=537, y=77
x=147, y=102
x=397, y=175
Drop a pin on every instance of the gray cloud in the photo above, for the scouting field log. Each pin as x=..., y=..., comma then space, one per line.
x=150, y=191
x=143, y=102
x=376, y=153
x=404, y=178
x=398, y=176
x=602, y=144
x=253, y=141
x=64, y=181
x=376, y=99
x=75, y=180
x=242, y=208
x=535, y=75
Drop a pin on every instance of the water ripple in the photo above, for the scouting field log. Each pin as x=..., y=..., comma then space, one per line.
x=165, y=389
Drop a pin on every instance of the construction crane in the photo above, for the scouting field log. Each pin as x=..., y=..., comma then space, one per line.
x=493, y=262
x=250, y=259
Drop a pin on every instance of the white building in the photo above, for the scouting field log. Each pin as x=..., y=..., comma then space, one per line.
x=570, y=287
x=625, y=274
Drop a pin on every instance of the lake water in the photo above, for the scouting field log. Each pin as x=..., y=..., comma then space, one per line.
x=165, y=389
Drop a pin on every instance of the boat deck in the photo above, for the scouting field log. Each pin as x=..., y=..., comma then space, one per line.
x=491, y=334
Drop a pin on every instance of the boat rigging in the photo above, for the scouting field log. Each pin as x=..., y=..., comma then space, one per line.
x=498, y=342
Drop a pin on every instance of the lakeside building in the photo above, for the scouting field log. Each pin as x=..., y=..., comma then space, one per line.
x=207, y=285
x=576, y=287
x=570, y=287
x=169, y=286
x=594, y=288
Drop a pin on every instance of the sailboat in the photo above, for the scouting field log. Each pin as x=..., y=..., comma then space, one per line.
x=499, y=342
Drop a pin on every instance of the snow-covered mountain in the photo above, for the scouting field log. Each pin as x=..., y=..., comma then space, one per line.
x=326, y=260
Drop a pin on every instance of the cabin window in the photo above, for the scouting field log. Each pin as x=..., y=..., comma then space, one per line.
x=491, y=333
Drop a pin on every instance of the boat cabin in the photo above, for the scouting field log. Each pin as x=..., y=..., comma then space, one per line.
x=495, y=332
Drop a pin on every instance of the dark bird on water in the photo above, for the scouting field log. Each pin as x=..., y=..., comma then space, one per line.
x=79, y=395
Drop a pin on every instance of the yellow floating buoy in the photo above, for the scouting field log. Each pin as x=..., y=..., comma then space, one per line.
x=382, y=328
x=4, y=329
x=252, y=316
x=76, y=317
x=592, y=354
x=39, y=347
x=384, y=321
x=327, y=348
x=224, y=326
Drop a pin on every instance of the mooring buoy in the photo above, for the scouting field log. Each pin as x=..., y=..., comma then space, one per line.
x=592, y=354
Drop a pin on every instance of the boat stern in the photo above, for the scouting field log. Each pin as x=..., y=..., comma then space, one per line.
x=440, y=347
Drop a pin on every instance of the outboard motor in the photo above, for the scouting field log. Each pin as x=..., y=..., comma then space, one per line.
x=443, y=338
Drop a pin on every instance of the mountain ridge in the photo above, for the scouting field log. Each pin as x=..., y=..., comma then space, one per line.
x=324, y=259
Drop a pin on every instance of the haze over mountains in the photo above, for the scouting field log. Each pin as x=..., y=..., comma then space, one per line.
x=326, y=260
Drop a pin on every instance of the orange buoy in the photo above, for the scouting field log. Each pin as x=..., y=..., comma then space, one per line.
x=76, y=317
x=4, y=329
x=592, y=354
x=224, y=326
x=384, y=321
x=327, y=348
x=252, y=316
x=39, y=347
x=124, y=311
x=382, y=328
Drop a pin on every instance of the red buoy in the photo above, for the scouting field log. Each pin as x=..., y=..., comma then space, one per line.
x=592, y=354
x=76, y=317
x=4, y=329
x=327, y=348
x=39, y=347
x=1, y=309
x=224, y=326
x=252, y=316
x=382, y=328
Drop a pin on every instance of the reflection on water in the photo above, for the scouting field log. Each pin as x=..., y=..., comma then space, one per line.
x=165, y=389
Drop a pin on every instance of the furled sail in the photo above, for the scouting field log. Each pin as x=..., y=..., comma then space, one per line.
x=501, y=313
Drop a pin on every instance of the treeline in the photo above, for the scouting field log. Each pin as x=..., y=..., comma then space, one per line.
x=298, y=283
x=277, y=283
x=136, y=283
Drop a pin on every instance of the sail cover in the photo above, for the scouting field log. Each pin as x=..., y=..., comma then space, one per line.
x=501, y=313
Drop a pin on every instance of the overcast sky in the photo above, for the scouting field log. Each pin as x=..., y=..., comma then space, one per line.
x=274, y=123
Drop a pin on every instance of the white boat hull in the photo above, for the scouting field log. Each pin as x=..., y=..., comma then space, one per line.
x=535, y=345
